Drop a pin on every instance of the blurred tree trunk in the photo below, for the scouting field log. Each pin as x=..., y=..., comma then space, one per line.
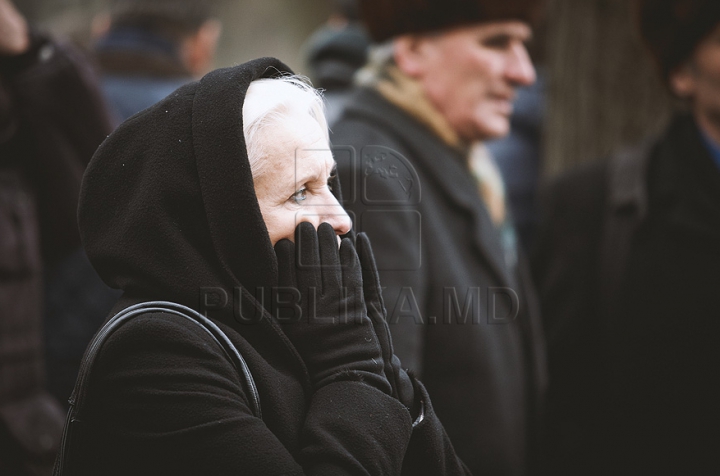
x=603, y=92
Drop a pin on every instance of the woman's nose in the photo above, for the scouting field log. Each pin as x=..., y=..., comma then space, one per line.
x=339, y=219
x=340, y=222
x=334, y=214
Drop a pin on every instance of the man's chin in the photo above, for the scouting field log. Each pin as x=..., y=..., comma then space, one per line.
x=492, y=130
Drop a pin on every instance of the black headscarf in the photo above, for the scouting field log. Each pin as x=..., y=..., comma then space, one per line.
x=168, y=206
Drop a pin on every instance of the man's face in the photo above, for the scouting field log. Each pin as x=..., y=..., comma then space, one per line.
x=470, y=74
x=699, y=81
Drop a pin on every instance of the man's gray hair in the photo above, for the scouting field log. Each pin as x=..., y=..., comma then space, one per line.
x=379, y=58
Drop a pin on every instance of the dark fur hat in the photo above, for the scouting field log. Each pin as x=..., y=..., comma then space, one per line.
x=672, y=29
x=388, y=18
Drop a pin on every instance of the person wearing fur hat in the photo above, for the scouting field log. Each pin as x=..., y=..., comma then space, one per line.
x=418, y=180
x=250, y=339
x=627, y=269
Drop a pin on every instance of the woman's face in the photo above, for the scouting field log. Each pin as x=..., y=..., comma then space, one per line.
x=294, y=185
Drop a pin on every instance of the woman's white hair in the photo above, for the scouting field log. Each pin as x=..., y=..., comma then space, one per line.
x=272, y=102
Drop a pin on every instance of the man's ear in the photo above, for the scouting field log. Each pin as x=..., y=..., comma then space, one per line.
x=682, y=81
x=198, y=50
x=100, y=25
x=411, y=54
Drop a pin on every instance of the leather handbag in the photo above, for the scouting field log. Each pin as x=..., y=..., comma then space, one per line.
x=73, y=423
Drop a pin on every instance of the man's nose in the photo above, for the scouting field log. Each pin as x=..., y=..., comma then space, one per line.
x=520, y=70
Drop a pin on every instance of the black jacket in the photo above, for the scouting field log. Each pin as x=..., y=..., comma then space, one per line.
x=447, y=283
x=627, y=266
x=168, y=212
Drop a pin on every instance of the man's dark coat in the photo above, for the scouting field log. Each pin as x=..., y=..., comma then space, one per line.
x=449, y=291
x=628, y=268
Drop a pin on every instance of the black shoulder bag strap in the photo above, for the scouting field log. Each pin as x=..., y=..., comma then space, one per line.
x=627, y=203
x=63, y=463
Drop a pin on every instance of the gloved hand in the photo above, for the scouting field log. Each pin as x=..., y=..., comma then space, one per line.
x=332, y=332
x=402, y=387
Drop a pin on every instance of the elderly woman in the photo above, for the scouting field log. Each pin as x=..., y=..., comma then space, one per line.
x=196, y=201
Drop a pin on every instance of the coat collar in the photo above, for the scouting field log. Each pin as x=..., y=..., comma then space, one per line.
x=684, y=147
x=443, y=165
x=678, y=157
x=406, y=93
x=684, y=178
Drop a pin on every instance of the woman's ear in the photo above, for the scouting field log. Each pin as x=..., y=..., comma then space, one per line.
x=411, y=54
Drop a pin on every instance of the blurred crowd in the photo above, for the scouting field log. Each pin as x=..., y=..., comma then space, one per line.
x=563, y=326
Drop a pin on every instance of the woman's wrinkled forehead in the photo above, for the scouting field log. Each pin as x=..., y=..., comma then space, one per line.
x=292, y=134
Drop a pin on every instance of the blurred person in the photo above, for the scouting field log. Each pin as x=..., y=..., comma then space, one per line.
x=51, y=120
x=419, y=181
x=334, y=54
x=226, y=187
x=148, y=48
x=627, y=267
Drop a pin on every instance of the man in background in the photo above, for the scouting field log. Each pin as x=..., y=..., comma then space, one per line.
x=148, y=48
x=417, y=178
x=627, y=267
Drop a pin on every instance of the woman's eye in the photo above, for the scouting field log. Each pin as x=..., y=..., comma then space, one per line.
x=299, y=196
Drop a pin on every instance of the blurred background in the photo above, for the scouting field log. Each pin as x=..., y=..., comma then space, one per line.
x=600, y=94
x=251, y=28
x=600, y=90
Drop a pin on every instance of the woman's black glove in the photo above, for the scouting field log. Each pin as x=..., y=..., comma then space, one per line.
x=330, y=327
x=402, y=387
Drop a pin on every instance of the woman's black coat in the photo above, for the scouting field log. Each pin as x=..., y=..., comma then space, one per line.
x=168, y=212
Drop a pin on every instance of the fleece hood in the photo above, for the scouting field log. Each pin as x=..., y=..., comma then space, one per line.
x=167, y=205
